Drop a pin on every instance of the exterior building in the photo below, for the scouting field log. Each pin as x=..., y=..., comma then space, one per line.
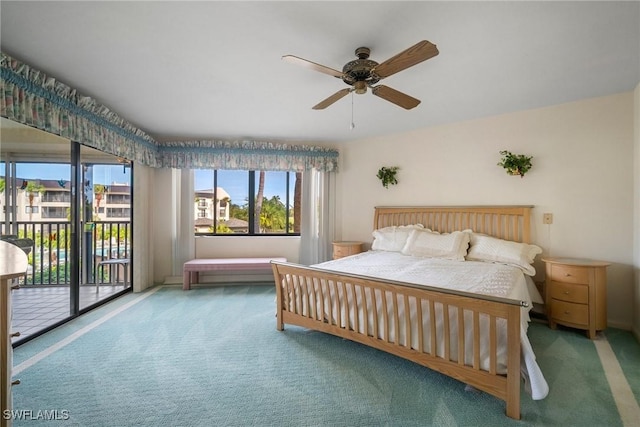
x=48, y=200
x=43, y=200
x=205, y=208
x=114, y=203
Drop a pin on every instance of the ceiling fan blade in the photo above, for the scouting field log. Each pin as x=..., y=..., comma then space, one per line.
x=408, y=58
x=312, y=65
x=330, y=100
x=403, y=100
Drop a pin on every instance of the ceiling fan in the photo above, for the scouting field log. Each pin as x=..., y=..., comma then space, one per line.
x=363, y=72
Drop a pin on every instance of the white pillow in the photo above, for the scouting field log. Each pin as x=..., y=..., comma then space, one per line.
x=430, y=244
x=492, y=249
x=392, y=238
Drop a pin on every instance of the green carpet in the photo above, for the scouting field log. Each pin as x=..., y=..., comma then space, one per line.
x=212, y=357
x=627, y=352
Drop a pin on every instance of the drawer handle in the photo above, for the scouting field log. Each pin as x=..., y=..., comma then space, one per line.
x=567, y=274
x=15, y=334
x=15, y=382
x=567, y=312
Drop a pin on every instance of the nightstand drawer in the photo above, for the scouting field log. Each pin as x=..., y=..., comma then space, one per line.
x=569, y=292
x=570, y=274
x=577, y=314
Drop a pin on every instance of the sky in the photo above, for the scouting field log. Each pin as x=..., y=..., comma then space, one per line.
x=233, y=182
x=236, y=184
x=102, y=174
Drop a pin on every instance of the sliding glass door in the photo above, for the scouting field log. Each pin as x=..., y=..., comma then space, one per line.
x=70, y=208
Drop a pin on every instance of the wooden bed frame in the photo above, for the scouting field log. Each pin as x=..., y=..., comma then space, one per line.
x=304, y=295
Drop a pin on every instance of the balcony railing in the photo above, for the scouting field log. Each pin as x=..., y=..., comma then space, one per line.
x=49, y=257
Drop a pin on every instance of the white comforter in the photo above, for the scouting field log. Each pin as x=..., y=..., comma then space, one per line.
x=468, y=276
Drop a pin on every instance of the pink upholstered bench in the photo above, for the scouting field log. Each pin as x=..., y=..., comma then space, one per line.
x=191, y=269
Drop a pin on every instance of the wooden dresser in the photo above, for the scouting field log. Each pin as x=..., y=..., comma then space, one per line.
x=13, y=264
x=344, y=248
x=576, y=293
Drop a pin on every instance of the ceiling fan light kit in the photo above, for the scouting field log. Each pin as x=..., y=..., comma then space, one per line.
x=363, y=73
x=360, y=87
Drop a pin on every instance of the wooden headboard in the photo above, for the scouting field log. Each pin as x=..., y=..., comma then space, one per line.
x=505, y=222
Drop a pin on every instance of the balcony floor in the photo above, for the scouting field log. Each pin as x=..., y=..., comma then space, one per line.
x=35, y=308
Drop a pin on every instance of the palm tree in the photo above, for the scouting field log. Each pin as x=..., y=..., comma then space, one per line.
x=32, y=189
x=273, y=217
x=98, y=191
x=258, y=209
x=297, y=202
x=2, y=186
x=225, y=203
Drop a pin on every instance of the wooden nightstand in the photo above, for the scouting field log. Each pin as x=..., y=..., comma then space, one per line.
x=576, y=293
x=343, y=249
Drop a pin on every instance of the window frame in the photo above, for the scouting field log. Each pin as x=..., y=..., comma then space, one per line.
x=252, y=189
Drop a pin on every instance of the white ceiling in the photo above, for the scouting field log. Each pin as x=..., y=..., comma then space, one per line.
x=210, y=69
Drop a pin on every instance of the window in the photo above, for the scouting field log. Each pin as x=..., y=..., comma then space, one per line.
x=118, y=212
x=31, y=209
x=56, y=196
x=119, y=199
x=247, y=202
x=54, y=212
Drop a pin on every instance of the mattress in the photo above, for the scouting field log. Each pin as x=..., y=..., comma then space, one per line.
x=477, y=277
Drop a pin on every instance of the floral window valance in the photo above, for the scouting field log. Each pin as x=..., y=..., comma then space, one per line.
x=30, y=97
x=35, y=99
x=247, y=155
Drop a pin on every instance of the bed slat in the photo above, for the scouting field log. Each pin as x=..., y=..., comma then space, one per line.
x=461, y=334
x=385, y=316
x=396, y=319
x=420, y=330
x=493, y=345
x=434, y=335
x=476, y=340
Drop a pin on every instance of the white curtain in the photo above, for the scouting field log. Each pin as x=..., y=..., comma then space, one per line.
x=183, y=236
x=318, y=216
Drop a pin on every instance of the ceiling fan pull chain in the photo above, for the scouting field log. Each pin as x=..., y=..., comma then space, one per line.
x=353, y=125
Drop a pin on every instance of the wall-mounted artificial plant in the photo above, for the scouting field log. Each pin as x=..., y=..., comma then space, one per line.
x=388, y=175
x=515, y=164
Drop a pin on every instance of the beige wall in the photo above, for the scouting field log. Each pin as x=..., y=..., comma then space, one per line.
x=161, y=195
x=234, y=246
x=582, y=173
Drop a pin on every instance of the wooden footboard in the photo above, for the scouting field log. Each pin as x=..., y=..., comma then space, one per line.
x=422, y=324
